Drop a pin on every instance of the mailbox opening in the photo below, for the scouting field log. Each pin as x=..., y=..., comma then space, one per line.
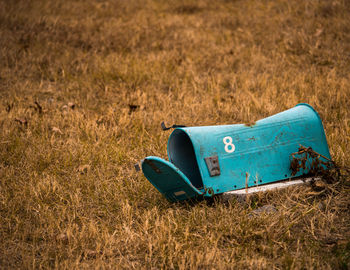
x=181, y=154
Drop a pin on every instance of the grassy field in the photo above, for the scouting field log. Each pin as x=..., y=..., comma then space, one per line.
x=84, y=86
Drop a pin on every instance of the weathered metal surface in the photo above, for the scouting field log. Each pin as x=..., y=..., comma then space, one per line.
x=213, y=165
x=168, y=179
x=242, y=193
x=248, y=155
x=152, y=165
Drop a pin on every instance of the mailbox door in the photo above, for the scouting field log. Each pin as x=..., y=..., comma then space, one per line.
x=168, y=179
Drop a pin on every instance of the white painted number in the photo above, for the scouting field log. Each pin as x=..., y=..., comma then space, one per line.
x=229, y=146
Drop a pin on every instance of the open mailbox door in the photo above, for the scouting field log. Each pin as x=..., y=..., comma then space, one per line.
x=211, y=160
x=168, y=179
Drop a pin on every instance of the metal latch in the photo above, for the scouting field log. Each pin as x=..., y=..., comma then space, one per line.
x=213, y=165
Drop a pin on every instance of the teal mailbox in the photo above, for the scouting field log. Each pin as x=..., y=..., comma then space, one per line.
x=209, y=160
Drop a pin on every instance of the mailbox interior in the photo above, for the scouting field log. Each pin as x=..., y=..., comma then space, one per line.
x=181, y=154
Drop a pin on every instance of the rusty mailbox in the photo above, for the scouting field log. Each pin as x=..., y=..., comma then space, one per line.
x=209, y=160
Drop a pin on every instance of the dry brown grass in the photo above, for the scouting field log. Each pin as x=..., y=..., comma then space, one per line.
x=69, y=196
